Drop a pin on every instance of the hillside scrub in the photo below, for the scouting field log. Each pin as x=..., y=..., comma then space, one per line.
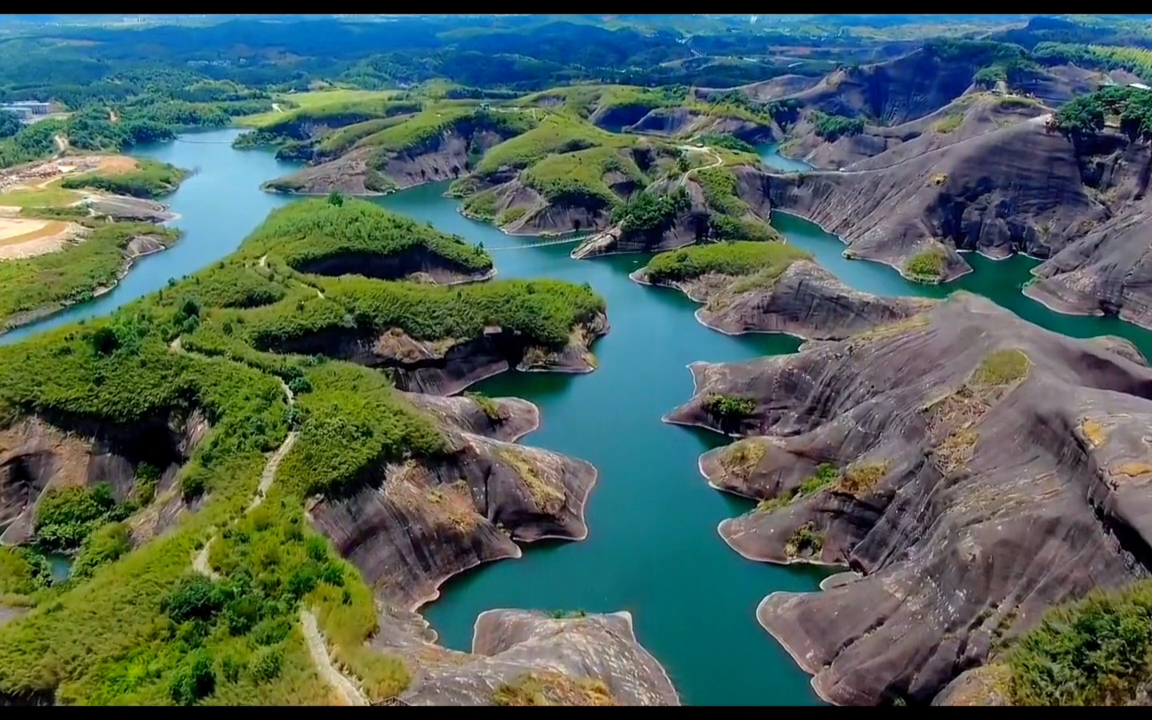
x=833, y=127
x=316, y=229
x=578, y=177
x=149, y=179
x=542, y=311
x=725, y=258
x=1087, y=114
x=925, y=266
x=418, y=130
x=728, y=142
x=1094, y=652
x=648, y=212
x=555, y=134
x=135, y=625
x=73, y=275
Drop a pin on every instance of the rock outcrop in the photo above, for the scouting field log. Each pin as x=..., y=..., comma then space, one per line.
x=805, y=300
x=699, y=221
x=424, y=522
x=528, y=658
x=970, y=115
x=1015, y=189
x=369, y=170
x=129, y=209
x=36, y=454
x=449, y=365
x=972, y=468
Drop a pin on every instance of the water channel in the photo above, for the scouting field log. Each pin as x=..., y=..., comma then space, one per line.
x=652, y=548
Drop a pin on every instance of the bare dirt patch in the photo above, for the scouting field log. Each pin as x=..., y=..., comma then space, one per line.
x=117, y=164
x=24, y=238
x=41, y=175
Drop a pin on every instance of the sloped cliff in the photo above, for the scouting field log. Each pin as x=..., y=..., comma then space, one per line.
x=972, y=469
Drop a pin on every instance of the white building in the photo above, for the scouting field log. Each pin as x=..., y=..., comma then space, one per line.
x=27, y=109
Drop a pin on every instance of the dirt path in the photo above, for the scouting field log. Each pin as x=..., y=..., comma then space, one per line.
x=717, y=161
x=343, y=686
x=267, y=477
x=200, y=562
x=318, y=649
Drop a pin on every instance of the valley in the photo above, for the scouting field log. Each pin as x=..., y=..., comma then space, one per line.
x=856, y=360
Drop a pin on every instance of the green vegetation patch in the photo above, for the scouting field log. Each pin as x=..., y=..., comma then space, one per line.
x=767, y=259
x=948, y=123
x=150, y=179
x=577, y=178
x=541, y=311
x=1001, y=367
x=419, y=130
x=65, y=517
x=807, y=540
x=55, y=280
x=483, y=205
x=833, y=127
x=233, y=285
x=556, y=134
x=1094, y=652
x=728, y=142
x=719, y=186
x=317, y=228
x=649, y=212
x=728, y=408
x=1087, y=114
x=23, y=571
x=352, y=423
x=926, y=266
x=826, y=475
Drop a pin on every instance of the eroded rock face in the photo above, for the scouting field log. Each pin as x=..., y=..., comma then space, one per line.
x=366, y=171
x=36, y=455
x=422, y=522
x=118, y=207
x=521, y=657
x=973, y=468
x=414, y=264
x=417, y=524
x=1016, y=189
x=448, y=366
x=753, y=187
x=805, y=300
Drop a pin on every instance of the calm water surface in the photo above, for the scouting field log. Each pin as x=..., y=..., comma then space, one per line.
x=652, y=548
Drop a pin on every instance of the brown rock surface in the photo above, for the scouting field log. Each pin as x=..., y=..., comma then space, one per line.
x=973, y=468
x=521, y=657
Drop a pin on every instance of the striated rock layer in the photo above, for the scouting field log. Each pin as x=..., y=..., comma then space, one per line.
x=972, y=468
x=805, y=300
x=521, y=658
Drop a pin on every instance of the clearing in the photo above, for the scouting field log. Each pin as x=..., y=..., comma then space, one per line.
x=38, y=185
x=310, y=100
x=24, y=238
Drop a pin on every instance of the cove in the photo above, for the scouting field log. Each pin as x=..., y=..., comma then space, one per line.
x=218, y=205
x=652, y=547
